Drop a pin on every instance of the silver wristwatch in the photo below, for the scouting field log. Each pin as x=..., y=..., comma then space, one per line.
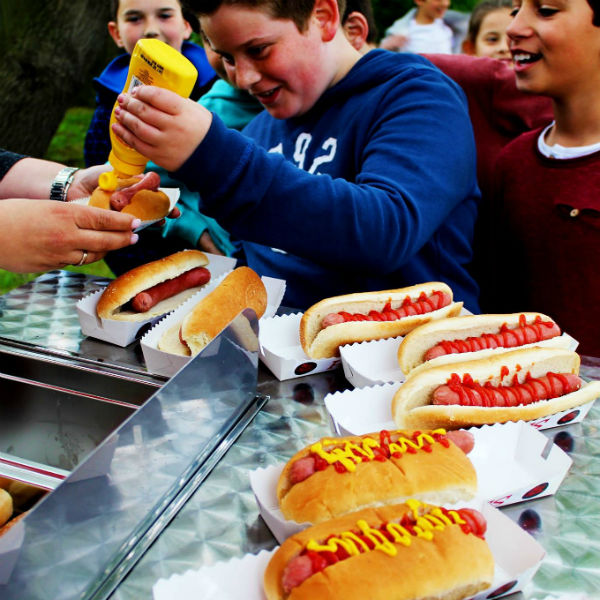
x=61, y=183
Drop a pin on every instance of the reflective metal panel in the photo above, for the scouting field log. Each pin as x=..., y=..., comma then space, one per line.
x=78, y=538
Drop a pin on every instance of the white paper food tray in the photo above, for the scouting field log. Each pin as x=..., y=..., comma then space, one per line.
x=367, y=409
x=372, y=363
x=167, y=364
x=172, y=193
x=517, y=557
x=513, y=462
x=122, y=333
x=280, y=349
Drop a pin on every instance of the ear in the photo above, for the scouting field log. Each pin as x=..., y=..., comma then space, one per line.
x=187, y=31
x=113, y=29
x=327, y=17
x=356, y=29
x=467, y=47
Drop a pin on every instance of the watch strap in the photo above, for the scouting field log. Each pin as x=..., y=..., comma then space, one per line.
x=61, y=183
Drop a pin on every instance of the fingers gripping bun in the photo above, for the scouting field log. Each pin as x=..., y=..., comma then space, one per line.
x=112, y=303
x=241, y=289
x=412, y=408
x=148, y=205
x=319, y=342
x=450, y=563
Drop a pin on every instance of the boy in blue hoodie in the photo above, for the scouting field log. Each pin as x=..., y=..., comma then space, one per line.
x=168, y=20
x=360, y=173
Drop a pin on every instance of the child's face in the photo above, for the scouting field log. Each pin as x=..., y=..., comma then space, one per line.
x=491, y=39
x=555, y=47
x=432, y=9
x=285, y=70
x=161, y=19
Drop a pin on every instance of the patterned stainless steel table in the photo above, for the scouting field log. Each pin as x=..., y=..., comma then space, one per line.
x=221, y=520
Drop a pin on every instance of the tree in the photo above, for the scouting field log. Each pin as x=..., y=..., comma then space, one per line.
x=50, y=51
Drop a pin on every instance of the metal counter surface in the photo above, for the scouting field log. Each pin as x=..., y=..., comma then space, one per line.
x=221, y=520
x=41, y=317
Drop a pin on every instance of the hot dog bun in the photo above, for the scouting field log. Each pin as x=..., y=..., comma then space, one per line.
x=239, y=290
x=325, y=343
x=441, y=473
x=412, y=408
x=6, y=506
x=112, y=303
x=451, y=564
x=149, y=205
x=412, y=349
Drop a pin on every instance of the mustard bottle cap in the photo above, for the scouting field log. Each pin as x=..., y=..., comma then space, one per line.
x=108, y=181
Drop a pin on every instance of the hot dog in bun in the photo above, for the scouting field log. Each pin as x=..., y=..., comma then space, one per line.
x=155, y=288
x=476, y=336
x=239, y=290
x=404, y=551
x=138, y=196
x=519, y=385
x=336, y=476
x=364, y=316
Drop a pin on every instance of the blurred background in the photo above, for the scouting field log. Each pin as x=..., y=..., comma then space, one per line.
x=51, y=53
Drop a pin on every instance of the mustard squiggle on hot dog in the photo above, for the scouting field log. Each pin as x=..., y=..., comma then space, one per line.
x=352, y=453
x=423, y=528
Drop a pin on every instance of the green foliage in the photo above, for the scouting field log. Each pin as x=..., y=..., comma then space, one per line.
x=67, y=144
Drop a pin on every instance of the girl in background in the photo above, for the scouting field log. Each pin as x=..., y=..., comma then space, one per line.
x=486, y=35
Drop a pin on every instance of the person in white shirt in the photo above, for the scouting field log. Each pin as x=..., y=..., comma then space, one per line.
x=422, y=30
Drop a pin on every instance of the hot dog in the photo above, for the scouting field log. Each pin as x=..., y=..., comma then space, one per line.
x=403, y=551
x=155, y=288
x=138, y=196
x=332, y=322
x=335, y=476
x=240, y=289
x=523, y=384
x=476, y=336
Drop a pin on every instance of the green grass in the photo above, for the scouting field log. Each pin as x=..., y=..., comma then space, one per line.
x=67, y=144
x=66, y=147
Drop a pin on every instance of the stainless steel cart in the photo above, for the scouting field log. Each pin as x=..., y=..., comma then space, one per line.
x=157, y=487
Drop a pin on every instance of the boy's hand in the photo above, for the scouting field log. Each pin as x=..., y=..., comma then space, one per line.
x=161, y=125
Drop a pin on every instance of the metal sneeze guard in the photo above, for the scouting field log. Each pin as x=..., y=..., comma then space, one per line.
x=84, y=537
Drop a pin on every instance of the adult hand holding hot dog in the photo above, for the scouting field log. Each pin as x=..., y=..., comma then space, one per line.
x=46, y=235
x=43, y=234
x=161, y=125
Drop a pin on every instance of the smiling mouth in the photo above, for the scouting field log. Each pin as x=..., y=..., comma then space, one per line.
x=267, y=94
x=525, y=58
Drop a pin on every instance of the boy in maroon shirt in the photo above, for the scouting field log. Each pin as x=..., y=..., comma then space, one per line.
x=547, y=248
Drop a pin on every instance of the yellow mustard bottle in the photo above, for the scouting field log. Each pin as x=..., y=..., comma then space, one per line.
x=152, y=63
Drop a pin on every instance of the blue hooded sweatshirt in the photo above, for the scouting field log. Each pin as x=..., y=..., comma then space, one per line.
x=373, y=188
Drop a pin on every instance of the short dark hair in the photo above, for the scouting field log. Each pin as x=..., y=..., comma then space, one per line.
x=365, y=8
x=479, y=13
x=296, y=10
x=188, y=14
